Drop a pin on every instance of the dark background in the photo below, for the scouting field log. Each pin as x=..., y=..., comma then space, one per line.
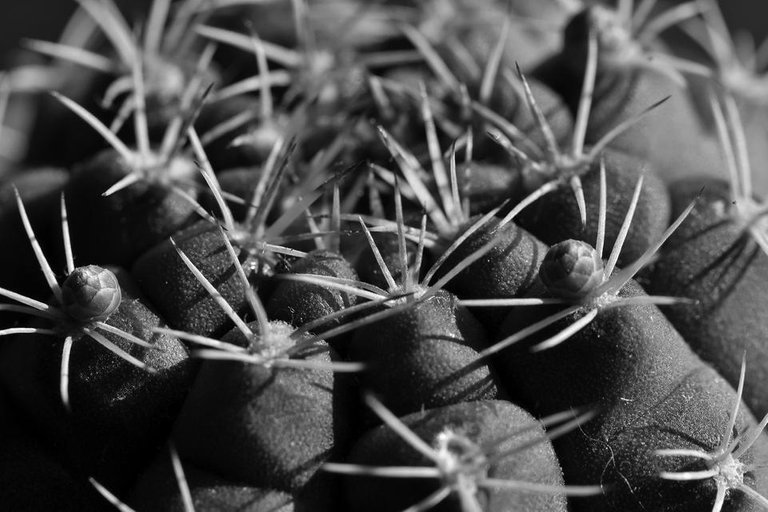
x=40, y=19
x=43, y=19
x=749, y=14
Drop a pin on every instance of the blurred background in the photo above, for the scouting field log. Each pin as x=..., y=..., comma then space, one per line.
x=39, y=19
x=43, y=19
x=749, y=14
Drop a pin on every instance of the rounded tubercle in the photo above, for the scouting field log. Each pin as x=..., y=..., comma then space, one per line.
x=90, y=293
x=572, y=269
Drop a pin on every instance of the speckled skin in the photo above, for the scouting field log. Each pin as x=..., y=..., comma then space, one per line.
x=177, y=293
x=652, y=392
x=555, y=217
x=430, y=350
x=119, y=228
x=299, y=303
x=266, y=427
x=508, y=270
x=120, y=413
x=710, y=259
x=157, y=490
x=483, y=422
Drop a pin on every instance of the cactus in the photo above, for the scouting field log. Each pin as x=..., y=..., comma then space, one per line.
x=336, y=255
